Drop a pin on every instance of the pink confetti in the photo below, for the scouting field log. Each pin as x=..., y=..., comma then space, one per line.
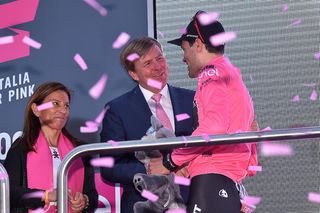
x=100, y=117
x=91, y=124
x=296, y=98
x=314, y=95
x=252, y=200
x=272, y=149
x=98, y=7
x=182, y=117
x=133, y=57
x=183, y=30
x=80, y=61
x=255, y=168
x=317, y=55
x=268, y=128
x=86, y=129
x=182, y=180
x=176, y=211
x=122, y=39
x=3, y=176
x=296, y=22
x=160, y=33
x=38, y=210
x=206, y=137
x=6, y=40
x=285, y=8
x=222, y=38
x=38, y=194
x=208, y=18
x=246, y=207
x=44, y=106
x=103, y=162
x=149, y=195
x=32, y=43
x=154, y=83
x=314, y=197
x=113, y=143
x=98, y=88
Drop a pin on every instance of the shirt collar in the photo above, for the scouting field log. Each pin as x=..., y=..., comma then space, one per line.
x=148, y=94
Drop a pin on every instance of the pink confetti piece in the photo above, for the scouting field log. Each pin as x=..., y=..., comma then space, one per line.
x=149, y=195
x=91, y=124
x=296, y=98
x=80, y=61
x=184, y=139
x=285, y=8
x=246, y=207
x=38, y=210
x=317, y=55
x=222, y=38
x=122, y=39
x=44, y=106
x=252, y=200
x=182, y=180
x=314, y=197
x=182, y=117
x=272, y=149
x=3, y=176
x=255, y=168
x=103, y=162
x=113, y=143
x=176, y=211
x=160, y=33
x=208, y=18
x=154, y=83
x=98, y=88
x=100, y=117
x=295, y=23
x=183, y=30
x=38, y=194
x=86, y=129
x=32, y=43
x=314, y=95
x=206, y=137
x=268, y=128
x=97, y=6
x=6, y=40
x=133, y=57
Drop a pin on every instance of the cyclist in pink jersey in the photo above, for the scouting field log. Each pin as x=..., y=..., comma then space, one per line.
x=223, y=106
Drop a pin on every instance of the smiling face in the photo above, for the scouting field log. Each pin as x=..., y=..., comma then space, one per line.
x=56, y=117
x=190, y=57
x=151, y=65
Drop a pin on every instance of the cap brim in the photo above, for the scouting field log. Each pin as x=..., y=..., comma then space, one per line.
x=177, y=41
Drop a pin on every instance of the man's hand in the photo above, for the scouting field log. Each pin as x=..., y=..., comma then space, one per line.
x=183, y=172
x=155, y=167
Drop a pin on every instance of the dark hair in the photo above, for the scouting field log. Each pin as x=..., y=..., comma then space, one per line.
x=139, y=46
x=218, y=49
x=32, y=126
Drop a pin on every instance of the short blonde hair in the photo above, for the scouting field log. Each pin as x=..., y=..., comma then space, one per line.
x=139, y=46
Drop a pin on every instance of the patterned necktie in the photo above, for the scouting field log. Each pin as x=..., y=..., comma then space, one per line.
x=160, y=113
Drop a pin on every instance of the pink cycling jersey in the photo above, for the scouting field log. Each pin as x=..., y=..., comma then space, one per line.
x=224, y=106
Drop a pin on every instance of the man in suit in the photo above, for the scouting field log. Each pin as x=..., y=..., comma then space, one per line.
x=128, y=116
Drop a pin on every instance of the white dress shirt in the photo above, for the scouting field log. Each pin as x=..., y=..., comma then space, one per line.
x=165, y=102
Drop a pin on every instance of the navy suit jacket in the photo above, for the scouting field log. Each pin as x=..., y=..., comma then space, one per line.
x=128, y=118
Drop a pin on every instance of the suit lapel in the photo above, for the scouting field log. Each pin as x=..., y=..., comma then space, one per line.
x=139, y=106
x=177, y=105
